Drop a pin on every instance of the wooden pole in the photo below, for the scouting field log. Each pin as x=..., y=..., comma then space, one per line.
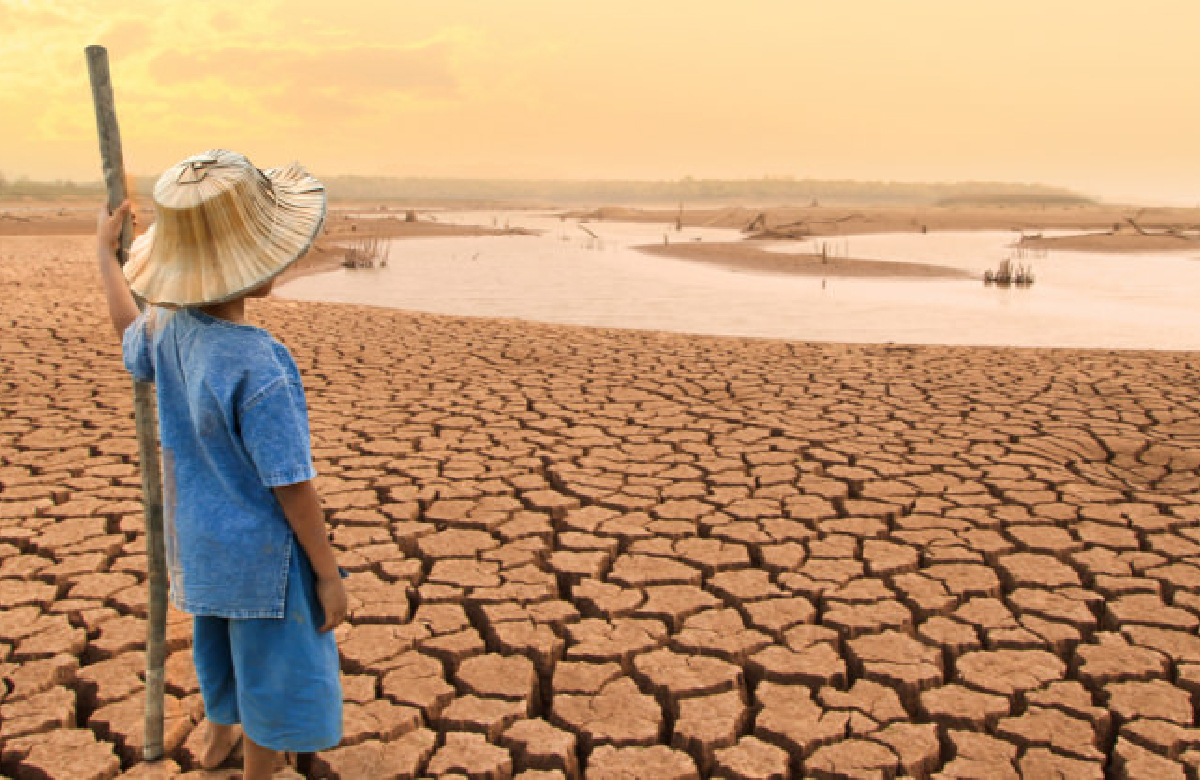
x=144, y=417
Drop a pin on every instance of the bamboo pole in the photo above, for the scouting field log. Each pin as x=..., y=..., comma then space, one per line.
x=145, y=420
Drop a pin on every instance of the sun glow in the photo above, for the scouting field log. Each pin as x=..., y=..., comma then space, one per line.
x=1086, y=95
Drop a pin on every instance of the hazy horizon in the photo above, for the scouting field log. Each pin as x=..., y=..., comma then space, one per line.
x=1074, y=95
x=687, y=192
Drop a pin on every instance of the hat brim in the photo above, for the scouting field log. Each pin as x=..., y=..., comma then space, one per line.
x=195, y=256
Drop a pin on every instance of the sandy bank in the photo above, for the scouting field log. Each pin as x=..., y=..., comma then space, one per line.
x=1117, y=243
x=750, y=256
x=340, y=224
x=72, y=220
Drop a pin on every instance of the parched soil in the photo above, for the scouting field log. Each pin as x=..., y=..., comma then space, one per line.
x=643, y=555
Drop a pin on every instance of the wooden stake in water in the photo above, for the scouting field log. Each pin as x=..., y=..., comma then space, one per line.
x=144, y=417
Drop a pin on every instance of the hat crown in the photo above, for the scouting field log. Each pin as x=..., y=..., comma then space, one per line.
x=205, y=177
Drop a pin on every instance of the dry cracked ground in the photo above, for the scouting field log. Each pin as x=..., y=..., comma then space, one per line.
x=607, y=553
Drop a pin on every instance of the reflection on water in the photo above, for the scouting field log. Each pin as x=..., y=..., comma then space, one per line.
x=566, y=276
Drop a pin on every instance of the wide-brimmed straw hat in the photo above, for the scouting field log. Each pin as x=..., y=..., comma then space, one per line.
x=221, y=228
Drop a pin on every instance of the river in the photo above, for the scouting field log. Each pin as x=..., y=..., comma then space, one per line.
x=563, y=275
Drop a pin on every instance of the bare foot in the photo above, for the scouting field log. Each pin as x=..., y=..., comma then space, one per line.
x=260, y=763
x=218, y=744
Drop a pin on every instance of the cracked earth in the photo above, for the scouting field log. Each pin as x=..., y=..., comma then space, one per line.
x=613, y=554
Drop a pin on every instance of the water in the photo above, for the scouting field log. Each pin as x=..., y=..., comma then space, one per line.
x=1080, y=299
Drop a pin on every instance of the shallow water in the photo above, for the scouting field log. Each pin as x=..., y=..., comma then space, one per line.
x=1080, y=299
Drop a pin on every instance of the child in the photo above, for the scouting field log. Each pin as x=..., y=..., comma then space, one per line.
x=244, y=530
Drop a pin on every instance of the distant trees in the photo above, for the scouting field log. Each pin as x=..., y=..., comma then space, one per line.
x=24, y=188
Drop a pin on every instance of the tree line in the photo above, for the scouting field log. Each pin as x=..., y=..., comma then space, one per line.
x=763, y=191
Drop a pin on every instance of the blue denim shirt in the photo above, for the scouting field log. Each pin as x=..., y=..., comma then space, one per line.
x=233, y=424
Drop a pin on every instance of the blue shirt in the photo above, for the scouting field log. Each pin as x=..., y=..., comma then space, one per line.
x=233, y=424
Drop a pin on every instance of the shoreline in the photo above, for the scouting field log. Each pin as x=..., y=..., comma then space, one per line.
x=328, y=250
x=1105, y=229
x=661, y=334
x=791, y=223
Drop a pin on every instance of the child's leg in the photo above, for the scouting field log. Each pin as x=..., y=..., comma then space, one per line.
x=260, y=761
x=219, y=742
x=214, y=671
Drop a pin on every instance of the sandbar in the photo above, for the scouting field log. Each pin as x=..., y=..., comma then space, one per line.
x=751, y=256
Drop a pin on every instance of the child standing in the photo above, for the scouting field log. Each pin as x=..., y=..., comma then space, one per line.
x=247, y=548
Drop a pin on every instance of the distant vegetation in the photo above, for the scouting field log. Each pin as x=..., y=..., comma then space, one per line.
x=765, y=191
x=1050, y=198
x=60, y=190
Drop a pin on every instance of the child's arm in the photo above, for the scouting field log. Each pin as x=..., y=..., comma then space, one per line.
x=302, y=507
x=122, y=309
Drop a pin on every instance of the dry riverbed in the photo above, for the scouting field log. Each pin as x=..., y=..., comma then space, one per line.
x=640, y=554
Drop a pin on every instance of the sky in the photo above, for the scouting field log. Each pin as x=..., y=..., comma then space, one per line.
x=1095, y=95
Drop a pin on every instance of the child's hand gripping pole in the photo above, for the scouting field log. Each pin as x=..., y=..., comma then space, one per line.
x=122, y=308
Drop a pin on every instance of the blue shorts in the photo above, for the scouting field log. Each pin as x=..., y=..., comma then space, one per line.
x=278, y=677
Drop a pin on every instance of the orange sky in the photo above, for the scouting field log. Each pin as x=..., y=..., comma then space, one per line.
x=1092, y=94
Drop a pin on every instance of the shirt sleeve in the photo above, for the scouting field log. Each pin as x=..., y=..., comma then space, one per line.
x=135, y=349
x=274, y=425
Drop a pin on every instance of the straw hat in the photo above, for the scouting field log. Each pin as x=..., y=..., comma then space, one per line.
x=221, y=228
